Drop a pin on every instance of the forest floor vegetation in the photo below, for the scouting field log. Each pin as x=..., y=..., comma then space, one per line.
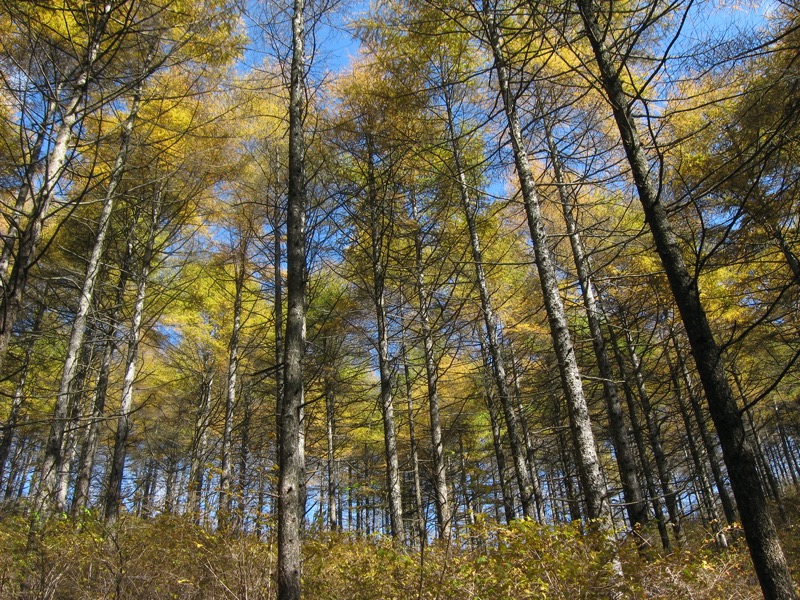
x=171, y=557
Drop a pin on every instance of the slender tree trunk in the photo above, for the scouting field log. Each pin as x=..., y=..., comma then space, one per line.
x=761, y=460
x=571, y=494
x=635, y=503
x=54, y=454
x=15, y=286
x=291, y=458
x=762, y=537
x=32, y=171
x=377, y=230
x=469, y=511
x=637, y=429
x=794, y=473
x=80, y=497
x=225, y=496
x=492, y=325
x=497, y=440
x=654, y=432
x=530, y=455
x=699, y=465
x=244, y=458
x=728, y=507
x=113, y=500
x=330, y=415
x=419, y=517
x=76, y=411
x=592, y=481
x=10, y=427
x=443, y=511
x=200, y=440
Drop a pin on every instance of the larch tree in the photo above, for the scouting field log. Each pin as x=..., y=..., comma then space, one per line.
x=762, y=537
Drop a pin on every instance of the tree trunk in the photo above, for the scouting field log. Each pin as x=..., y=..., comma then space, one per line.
x=443, y=511
x=80, y=496
x=378, y=220
x=54, y=454
x=592, y=481
x=497, y=440
x=728, y=507
x=762, y=537
x=706, y=495
x=225, y=496
x=526, y=436
x=291, y=459
x=492, y=325
x=654, y=433
x=330, y=404
x=14, y=287
x=637, y=429
x=113, y=499
x=244, y=458
x=10, y=427
x=635, y=503
x=419, y=516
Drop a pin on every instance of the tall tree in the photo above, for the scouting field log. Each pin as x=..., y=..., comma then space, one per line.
x=291, y=457
x=762, y=537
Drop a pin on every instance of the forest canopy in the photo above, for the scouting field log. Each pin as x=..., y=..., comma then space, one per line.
x=423, y=276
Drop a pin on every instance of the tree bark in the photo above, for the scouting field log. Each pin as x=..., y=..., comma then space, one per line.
x=14, y=288
x=225, y=496
x=54, y=454
x=378, y=259
x=635, y=503
x=592, y=481
x=291, y=458
x=497, y=441
x=762, y=537
x=419, y=516
x=728, y=506
x=653, y=423
x=493, y=326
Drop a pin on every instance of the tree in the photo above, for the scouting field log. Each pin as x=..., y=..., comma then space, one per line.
x=762, y=537
x=291, y=458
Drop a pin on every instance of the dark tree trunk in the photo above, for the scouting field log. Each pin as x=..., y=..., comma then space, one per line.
x=291, y=457
x=762, y=537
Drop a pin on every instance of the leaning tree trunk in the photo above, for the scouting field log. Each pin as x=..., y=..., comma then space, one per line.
x=14, y=288
x=635, y=503
x=762, y=537
x=492, y=325
x=592, y=481
x=706, y=497
x=728, y=506
x=654, y=432
x=54, y=454
x=80, y=496
x=291, y=457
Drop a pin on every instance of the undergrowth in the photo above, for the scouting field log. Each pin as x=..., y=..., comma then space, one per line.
x=172, y=558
